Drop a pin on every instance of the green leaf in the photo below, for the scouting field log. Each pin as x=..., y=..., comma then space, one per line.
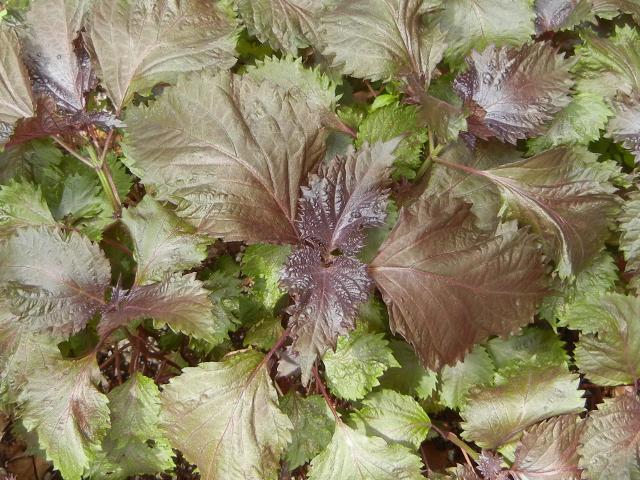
x=15, y=89
x=629, y=220
x=36, y=161
x=180, y=301
x=475, y=24
x=264, y=332
x=476, y=369
x=262, y=264
x=360, y=358
x=410, y=378
x=134, y=445
x=290, y=74
x=608, y=65
x=448, y=285
x=231, y=152
x=354, y=456
x=56, y=280
x=611, y=440
x=579, y=122
x=22, y=205
x=62, y=405
x=157, y=40
x=389, y=122
x=286, y=25
x=224, y=417
x=494, y=415
x=164, y=243
x=380, y=40
x=396, y=418
x=608, y=352
x=313, y=426
x=533, y=346
x=550, y=450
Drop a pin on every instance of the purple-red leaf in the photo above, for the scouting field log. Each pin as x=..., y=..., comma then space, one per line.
x=328, y=292
x=511, y=93
x=346, y=197
x=555, y=15
x=448, y=285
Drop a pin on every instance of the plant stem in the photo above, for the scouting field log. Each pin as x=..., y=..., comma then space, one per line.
x=467, y=451
x=325, y=394
x=72, y=152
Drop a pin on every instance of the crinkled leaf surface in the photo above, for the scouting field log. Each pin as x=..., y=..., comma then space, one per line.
x=57, y=280
x=22, y=205
x=474, y=24
x=355, y=456
x=164, y=243
x=224, y=417
x=494, y=415
x=263, y=265
x=359, y=359
x=555, y=15
x=285, y=24
x=610, y=446
x=62, y=404
x=624, y=127
x=346, y=198
x=156, y=41
x=383, y=39
x=410, y=378
x=550, y=450
x=179, y=301
x=630, y=232
x=476, y=284
x=15, y=88
x=327, y=297
x=231, y=152
x=134, y=445
x=608, y=352
x=511, y=93
x=476, y=369
x=565, y=195
x=313, y=426
x=395, y=417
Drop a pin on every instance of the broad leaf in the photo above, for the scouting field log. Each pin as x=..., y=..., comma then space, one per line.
x=354, y=456
x=346, y=197
x=59, y=68
x=224, y=417
x=608, y=352
x=313, y=426
x=262, y=265
x=610, y=446
x=22, y=205
x=611, y=8
x=533, y=346
x=232, y=153
x=475, y=24
x=565, y=195
x=63, y=406
x=353, y=369
x=630, y=232
x=179, y=301
x=15, y=89
x=285, y=24
x=550, y=450
x=494, y=415
x=56, y=280
x=476, y=284
x=327, y=297
x=511, y=93
x=555, y=15
x=624, y=127
x=164, y=243
x=156, y=41
x=578, y=123
x=396, y=418
x=410, y=378
x=476, y=369
x=380, y=40
x=134, y=445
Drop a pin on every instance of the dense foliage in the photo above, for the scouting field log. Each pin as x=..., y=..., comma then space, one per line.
x=335, y=240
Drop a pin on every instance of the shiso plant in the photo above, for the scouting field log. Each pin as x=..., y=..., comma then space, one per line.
x=323, y=239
